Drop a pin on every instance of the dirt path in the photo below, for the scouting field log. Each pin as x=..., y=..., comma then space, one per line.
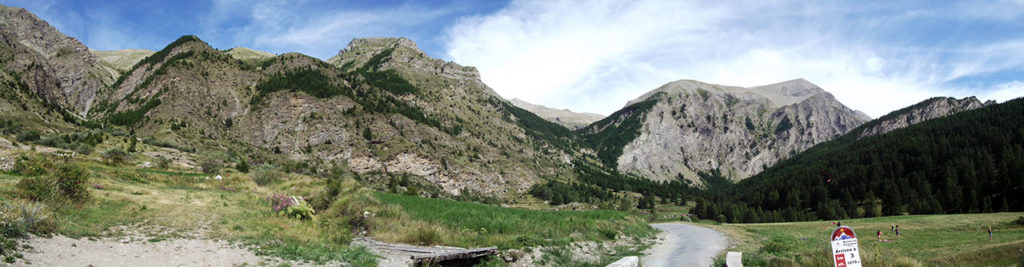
x=684, y=245
x=64, y=251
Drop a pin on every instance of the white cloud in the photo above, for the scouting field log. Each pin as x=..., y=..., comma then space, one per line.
x=1005, y=91
x=596, y=55
x=287, y=26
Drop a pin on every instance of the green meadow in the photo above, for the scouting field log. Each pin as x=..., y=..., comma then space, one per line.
x=927, y=240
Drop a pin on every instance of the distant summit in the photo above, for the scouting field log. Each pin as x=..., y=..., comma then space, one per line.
x=688, y=127
x=565, y=117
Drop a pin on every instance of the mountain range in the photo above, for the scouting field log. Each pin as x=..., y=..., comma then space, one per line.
x=384, y=109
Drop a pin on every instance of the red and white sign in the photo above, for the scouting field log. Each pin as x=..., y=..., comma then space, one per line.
x=844, y=247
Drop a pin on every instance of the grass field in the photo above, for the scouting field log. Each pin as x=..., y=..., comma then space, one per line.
x=471, y=224
x=927, y=240
x=178, y=203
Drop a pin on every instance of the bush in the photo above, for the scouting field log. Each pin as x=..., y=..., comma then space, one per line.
x=36, y=188
x=27, y=136
x=17, y=220
x=71, y=182
x=265, y=174
x=32, y=165
x=84, y=149
x=293, y=206
x=163, y=162
x=1019, y=221
x=68, y=183
x=209, y=166
x=242, y=166
x=115, y=156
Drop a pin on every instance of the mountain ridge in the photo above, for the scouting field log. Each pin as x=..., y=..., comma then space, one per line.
x=565, y=117
x=688, y=127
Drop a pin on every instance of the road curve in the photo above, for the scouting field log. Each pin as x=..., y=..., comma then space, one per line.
x=684, y=245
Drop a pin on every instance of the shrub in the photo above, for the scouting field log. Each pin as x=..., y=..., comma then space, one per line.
x=209, y=166
x=68, y=183
x=242, y=166
x=265, y=174
x=84, y=149
x=115, y=156
x=1019, y=221
x=32, y=165
x=71, y=182
x=17, y=220
x=292, y=206
x=27, y=136
x=163, y=162
x=35, y=188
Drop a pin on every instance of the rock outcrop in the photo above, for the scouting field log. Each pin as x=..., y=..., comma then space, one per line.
x=932, y=108
x=686, y=127
x=55, y=66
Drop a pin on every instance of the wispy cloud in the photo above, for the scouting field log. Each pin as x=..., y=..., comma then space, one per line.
x=285, y=26
x=596, y=55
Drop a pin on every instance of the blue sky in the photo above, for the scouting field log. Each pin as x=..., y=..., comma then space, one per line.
x=596, y=55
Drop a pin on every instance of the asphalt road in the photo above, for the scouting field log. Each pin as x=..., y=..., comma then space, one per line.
x=684, y=245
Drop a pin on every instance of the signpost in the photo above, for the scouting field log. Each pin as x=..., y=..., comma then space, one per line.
x=844, y=248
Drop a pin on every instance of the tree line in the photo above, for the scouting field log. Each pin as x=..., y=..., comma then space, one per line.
x=968, y=162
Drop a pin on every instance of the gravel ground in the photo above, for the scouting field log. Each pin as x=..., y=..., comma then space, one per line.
x=684, y=245
x=64, y=251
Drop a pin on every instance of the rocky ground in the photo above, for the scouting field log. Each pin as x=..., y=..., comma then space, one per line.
x=142, y=246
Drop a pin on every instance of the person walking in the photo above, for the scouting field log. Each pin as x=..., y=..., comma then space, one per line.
x=897, y=232
x=990, y=233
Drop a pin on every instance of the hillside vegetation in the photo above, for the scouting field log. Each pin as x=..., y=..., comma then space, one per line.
x=90, y=198
x=968, y=162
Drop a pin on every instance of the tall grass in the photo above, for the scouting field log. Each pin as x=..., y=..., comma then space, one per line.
x=472, y=224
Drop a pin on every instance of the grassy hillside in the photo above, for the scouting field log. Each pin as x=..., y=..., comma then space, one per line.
x=169, y=203
x=929, y=240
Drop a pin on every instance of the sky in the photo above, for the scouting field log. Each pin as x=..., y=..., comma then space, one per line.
x=594, y=56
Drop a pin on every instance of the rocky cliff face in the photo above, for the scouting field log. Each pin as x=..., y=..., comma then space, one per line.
x=564, y=117
x=686, y=127
x=381, y=107
x=55, y=66
x=929, y=109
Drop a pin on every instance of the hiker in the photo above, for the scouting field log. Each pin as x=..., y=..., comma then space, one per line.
x=879, y=235
x=897, y=233
x=990, y=233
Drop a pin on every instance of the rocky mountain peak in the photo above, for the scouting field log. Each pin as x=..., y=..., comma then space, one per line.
x=932, y=108
x=401, y=54
x=798, y=88
x=379, y=43
x=57, y=67
x=687, y=127
x=37, y=34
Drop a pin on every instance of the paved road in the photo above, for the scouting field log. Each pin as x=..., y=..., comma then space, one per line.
x=684, y=245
